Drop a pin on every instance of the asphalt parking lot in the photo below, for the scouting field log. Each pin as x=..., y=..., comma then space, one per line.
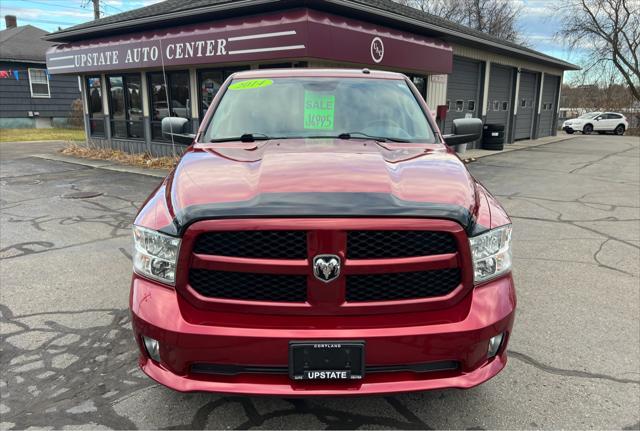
x=68, y=358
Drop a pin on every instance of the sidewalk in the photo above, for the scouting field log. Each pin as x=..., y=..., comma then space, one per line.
x=477, y=153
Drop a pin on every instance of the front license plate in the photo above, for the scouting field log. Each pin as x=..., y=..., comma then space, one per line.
x=326, y=360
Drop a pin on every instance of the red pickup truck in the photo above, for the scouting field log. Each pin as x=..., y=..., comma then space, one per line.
x=320, y=237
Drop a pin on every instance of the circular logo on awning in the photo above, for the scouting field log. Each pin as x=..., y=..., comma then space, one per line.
x=377, y=49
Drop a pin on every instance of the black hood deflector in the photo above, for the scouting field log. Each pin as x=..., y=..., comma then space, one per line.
x=322, y=205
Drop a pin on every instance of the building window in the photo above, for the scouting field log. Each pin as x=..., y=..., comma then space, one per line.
x=459, y=105
x=39, y=83
x=505, y=106
x=421, y=84
x=523, y=103
x=168, y=98
x=94, y=101
x=125, y=106
x=209, y=82
x=471, y=105
x=496, y=105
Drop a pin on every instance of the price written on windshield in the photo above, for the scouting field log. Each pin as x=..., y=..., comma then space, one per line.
x=319, y=109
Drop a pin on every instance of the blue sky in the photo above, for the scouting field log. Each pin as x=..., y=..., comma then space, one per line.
x=539, y=22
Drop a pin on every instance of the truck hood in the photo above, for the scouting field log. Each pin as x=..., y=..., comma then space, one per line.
x=320, y=177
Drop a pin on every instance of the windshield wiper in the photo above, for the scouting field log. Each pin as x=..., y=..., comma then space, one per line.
x=246, y=137
x=349, y=135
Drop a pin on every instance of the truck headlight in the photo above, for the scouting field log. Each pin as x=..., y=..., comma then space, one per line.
x=491, y=253
x=155, y=254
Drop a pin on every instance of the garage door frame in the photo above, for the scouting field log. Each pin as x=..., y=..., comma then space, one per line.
x=533, y=106
x=459, y=92
x=499, y=94
x=547, y=118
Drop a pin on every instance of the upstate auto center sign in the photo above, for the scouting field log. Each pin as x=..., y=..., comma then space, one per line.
x=297, y=34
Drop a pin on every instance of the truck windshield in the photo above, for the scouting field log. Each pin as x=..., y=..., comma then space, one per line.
x=350, y=108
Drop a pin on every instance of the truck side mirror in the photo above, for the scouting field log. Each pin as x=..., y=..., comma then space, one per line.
x=464, y=130
x=176, y=129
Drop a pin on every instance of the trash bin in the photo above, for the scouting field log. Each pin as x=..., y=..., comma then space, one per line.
x=493, y=137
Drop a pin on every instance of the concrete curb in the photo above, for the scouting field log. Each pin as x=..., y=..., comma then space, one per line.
x=45, y=141
x=105, y=164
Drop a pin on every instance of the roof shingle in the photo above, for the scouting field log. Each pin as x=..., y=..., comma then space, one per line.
x=23, y=43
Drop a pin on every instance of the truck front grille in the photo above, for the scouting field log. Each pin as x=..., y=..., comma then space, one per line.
x=266, y=244
x=401, y=285
x=249, y=286
x=381, y=244
x=276, y=264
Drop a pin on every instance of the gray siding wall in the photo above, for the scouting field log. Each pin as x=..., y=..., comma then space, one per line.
x=500, y=87
x=16, y=100
x=549, y=97
x=526, y=114
x=463, y=84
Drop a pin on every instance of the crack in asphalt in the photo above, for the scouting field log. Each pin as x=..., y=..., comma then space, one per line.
x=524, y=167
x=117, y=220
x=566, y=372
x=331, y=418
x=574, y=223
x=67, y=375
x=588, y=164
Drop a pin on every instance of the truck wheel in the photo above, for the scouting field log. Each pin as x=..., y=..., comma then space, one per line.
x=619, y=130
x=569, y=131
x=587, y=129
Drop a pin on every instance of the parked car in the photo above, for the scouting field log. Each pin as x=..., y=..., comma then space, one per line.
x=321, y=237
x=601, y=122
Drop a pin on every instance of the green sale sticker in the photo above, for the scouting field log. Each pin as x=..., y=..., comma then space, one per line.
x=250, y=84
x=319, y=110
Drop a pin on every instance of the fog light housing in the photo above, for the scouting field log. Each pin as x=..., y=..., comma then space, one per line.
x=494, y=345
x=153, y=348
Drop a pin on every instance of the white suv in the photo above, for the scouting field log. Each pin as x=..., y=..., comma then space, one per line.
x=600, y=122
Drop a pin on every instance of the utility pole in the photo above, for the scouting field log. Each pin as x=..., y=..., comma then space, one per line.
x=96, y=9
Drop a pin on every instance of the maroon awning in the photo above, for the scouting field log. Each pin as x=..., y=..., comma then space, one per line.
x=293, y=34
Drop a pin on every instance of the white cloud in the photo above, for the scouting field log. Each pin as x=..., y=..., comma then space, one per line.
x=35, y=13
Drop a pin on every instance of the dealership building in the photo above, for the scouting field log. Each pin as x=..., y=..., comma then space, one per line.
x=170, y=59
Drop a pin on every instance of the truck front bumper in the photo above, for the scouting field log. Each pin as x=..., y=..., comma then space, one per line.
x=189, y=336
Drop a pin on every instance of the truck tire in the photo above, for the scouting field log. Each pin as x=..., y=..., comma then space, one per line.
x=587, y=129
x=619, y=130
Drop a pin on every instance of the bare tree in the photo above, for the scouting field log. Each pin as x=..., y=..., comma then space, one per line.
x=496, y=17
x=610, y=97
x=609, y=32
